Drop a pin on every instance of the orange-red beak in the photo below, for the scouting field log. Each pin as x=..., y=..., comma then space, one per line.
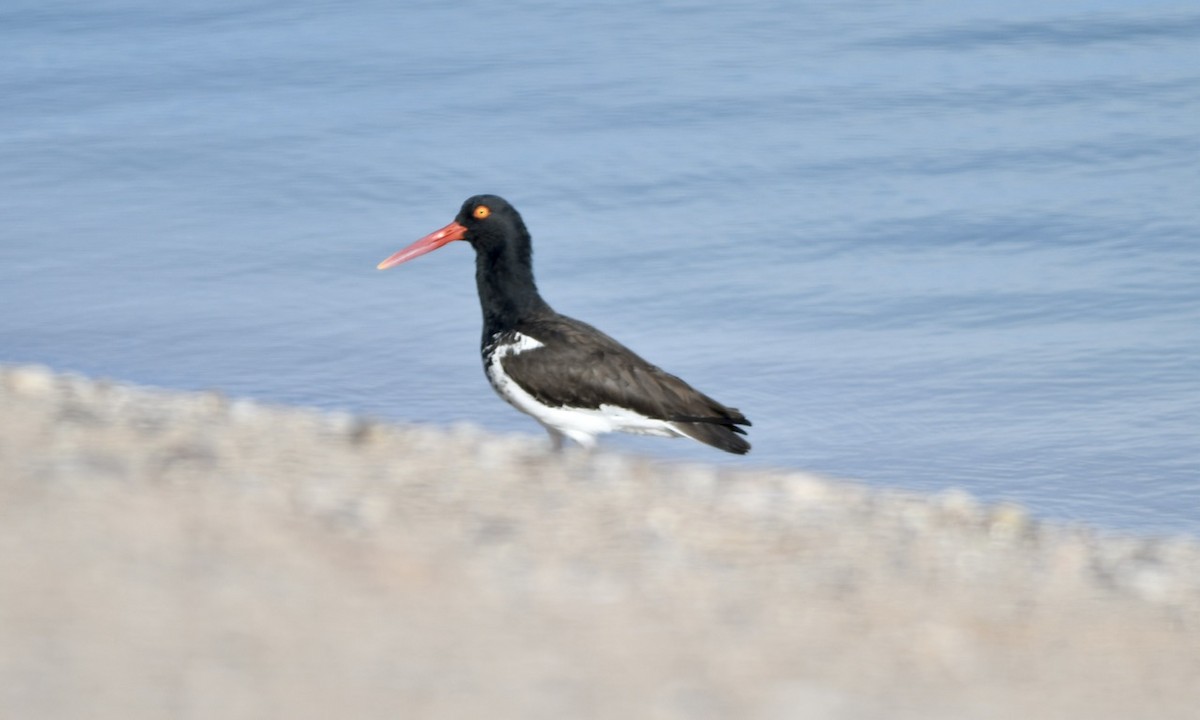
x=429, y=243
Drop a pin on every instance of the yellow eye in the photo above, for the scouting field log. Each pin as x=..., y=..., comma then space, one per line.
x=482, y=211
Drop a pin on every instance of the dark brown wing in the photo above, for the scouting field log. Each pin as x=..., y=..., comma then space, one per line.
x=579, y=366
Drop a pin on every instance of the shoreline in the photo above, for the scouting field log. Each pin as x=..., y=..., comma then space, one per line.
x=175, y=554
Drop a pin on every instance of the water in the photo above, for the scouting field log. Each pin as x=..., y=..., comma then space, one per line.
x=924, y=245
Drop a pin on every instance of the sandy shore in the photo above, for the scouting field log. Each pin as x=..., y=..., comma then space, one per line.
x=170, y=555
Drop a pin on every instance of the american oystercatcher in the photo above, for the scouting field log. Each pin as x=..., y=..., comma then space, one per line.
x=573, y=379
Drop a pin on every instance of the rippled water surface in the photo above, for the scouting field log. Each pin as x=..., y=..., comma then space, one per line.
x=924, y=245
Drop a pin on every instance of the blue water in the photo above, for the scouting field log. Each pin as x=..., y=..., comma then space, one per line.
x=920, y=244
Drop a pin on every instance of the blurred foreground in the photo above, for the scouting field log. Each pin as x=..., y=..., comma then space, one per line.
x=187, y=556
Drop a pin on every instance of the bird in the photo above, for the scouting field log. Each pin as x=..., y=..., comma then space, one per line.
x=576, y=381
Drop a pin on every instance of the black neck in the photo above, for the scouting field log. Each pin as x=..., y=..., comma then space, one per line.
x=507, y=292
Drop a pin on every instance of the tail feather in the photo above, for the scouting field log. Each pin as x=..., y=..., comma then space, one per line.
x=725, y=437
x=729, y=422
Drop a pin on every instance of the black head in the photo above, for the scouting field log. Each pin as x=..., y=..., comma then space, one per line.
x=488, y=222
x=503, y=260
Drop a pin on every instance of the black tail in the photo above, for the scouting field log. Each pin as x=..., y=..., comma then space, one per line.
x=721, y=435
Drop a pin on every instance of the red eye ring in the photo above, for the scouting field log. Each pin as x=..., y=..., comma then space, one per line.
x=481, y=211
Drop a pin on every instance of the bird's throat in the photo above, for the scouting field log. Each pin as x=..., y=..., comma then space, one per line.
x=507, y=291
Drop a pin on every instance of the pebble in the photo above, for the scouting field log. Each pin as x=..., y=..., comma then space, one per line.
x=31, y=380
x=823, y=579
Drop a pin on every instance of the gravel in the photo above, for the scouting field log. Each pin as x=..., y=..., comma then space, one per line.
x=188, y=555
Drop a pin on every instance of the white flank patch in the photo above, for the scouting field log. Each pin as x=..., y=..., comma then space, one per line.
x=580, y=424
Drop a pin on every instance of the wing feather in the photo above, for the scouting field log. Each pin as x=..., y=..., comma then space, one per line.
x=579, y=366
